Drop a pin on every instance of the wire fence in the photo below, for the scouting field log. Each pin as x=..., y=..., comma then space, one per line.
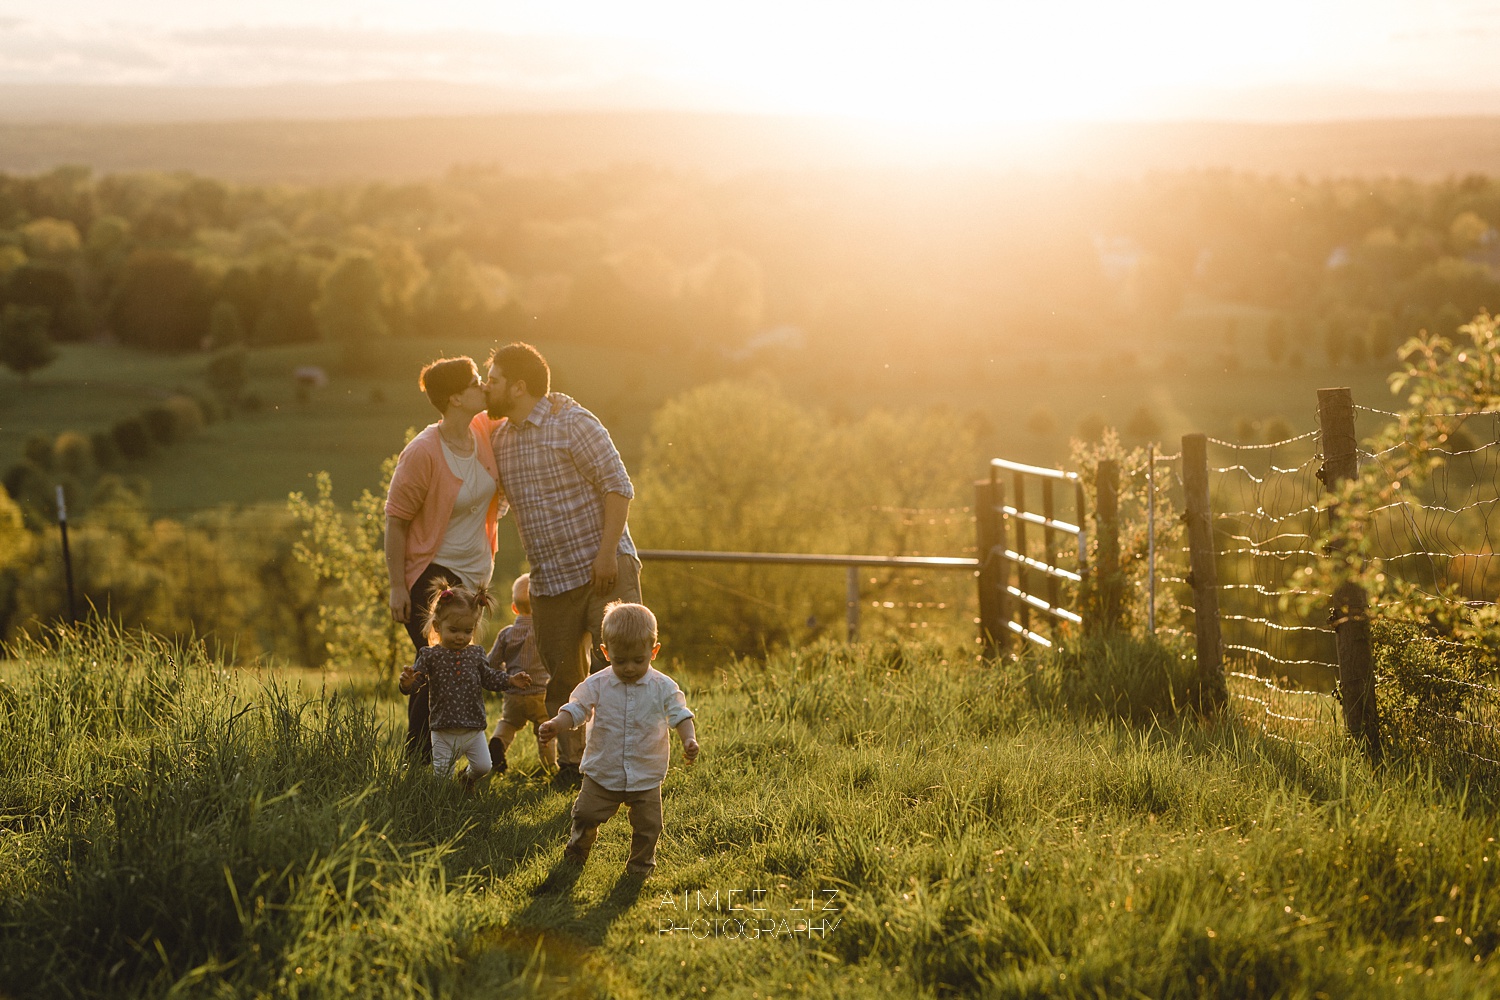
x=1281, y=666
x=1437, y=538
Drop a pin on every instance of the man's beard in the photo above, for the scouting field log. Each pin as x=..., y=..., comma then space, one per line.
x=494, y=411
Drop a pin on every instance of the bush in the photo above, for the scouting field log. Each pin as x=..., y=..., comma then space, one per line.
x=173, y=420
x=132, y=438
x=39, y=451
x=73, y=454
x=106, y=452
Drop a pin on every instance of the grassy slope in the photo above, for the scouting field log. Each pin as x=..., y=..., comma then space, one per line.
x=980, y=840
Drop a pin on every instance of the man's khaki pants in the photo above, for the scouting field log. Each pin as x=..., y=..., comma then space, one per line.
x=596, y=804
x=567, y=629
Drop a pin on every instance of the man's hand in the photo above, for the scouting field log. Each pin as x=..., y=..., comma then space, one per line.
x=400, y=605
x=606, y=570
x=689, y=751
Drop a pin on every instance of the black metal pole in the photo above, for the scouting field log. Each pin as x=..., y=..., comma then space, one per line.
x=62, y=526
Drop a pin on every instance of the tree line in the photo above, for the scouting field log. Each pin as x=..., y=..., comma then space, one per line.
x=674, y=262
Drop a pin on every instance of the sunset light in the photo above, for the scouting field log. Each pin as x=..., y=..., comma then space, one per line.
x=749, y=499
x=950, y=64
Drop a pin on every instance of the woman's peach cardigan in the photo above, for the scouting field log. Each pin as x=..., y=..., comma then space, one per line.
x=423, y=490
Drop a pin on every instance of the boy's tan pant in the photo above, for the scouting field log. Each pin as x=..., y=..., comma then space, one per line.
x=596, y=804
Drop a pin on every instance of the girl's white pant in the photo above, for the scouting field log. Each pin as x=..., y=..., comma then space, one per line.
x=450, y=744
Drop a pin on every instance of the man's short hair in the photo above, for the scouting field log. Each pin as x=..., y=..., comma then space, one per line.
x=520, y=362
x=628, y=626
x=446, y=378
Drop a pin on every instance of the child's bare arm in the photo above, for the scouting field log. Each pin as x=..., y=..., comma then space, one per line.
x=412, y=677
x=562, y=722
x=689, y=737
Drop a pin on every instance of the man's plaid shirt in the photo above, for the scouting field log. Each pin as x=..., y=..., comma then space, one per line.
x=555, y=467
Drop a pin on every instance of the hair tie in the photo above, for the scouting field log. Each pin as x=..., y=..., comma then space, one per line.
x=446, y=595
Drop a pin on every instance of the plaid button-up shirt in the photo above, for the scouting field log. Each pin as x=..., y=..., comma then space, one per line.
x=555, y=466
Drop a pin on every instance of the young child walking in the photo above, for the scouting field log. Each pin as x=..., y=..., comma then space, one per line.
x=634, y=708
x=515, y=650
x=455, y=672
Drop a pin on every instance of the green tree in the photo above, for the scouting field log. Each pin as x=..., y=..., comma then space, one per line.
x=348, y=308
x=24, y=343
x=225, y=374
x=225, y=327
x=161, y=302
x=344, y=551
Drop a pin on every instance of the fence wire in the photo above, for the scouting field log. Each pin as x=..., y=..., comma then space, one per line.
x=1281, y=664
x=1439, y=537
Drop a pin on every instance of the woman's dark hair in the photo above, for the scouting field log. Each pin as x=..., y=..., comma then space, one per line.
x=445, y=378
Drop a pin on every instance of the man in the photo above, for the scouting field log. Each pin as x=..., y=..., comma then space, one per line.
x=571, y=495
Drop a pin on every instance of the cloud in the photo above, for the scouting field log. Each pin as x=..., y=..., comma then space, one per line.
x=31, y=52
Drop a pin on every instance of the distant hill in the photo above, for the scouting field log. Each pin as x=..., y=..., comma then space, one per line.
x=399, y=148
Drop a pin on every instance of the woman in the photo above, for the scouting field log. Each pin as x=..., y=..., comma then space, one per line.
x=441, y=511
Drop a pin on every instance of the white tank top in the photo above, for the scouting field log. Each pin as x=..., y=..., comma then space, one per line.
x=466, y=547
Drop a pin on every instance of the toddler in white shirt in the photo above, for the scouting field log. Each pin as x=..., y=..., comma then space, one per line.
x=634, y=708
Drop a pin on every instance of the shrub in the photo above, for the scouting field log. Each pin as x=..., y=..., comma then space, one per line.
x=39, y=451
x=226, y=374
x=173, y=420
x=73, y=454
x=187, y=415
x=132, y=438
x=106, y=452
x=161, y=424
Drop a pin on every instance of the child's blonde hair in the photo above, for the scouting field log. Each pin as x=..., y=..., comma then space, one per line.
x=520, y=593
x=630, y=626
x=454, y=598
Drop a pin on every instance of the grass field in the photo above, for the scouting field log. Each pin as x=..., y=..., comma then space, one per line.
x=263, y=456
x=173, y=828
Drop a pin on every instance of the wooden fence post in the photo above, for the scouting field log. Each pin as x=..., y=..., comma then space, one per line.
x=1350, y=610
x=1204, y=574
x=1107, y=523
x=989, y=532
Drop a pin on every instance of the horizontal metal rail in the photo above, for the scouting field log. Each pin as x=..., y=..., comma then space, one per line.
x=852, y=565
x=809, y=559
x=1041, y=567
x=1041, y=605
x=1046, y=522
x=1026, y=633
x=1033, y=470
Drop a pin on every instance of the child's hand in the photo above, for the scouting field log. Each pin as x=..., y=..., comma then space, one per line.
x=408, y=679
x=546, y=732
x=689, y=751
x=520, y=679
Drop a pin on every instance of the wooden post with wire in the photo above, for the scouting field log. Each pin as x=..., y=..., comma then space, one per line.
x=1350, y=609
x=1107, y=524
x=989, y=532
x=67, y=555
x=1204, y=572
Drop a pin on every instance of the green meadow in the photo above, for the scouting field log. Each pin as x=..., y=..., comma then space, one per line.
x=880, y=820
x=1029, y=402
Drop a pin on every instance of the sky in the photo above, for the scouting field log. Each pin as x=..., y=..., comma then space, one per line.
x=936, y=61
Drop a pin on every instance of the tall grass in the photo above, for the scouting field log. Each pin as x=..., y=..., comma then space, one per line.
x=174, y=829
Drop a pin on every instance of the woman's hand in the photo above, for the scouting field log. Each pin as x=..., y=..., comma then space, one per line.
x=400, y=604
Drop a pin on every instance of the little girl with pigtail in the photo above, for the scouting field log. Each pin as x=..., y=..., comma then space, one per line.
x=456, y=672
